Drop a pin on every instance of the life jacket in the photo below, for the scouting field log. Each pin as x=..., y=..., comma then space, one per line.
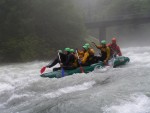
x=75, y=61
x=91, y=54
x=91, y=51
x=105, y=52
x=63, y=58
x=85, y=57
x=80, y=53
x=70, y=59
x=115, y=49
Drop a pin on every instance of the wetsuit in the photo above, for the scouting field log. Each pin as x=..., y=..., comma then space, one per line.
x=63, y=58
x=67, y=63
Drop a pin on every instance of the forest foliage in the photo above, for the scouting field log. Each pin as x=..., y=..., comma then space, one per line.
x=36, y=29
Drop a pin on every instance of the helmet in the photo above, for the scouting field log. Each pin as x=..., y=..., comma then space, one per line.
x=113, y=39
x=103, y=42
x=87, y=44
x=85, y=47
x=71, y=50
x=67, y=49
x=60, y=51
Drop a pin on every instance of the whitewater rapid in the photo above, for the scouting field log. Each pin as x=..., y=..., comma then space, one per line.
x=121, y=90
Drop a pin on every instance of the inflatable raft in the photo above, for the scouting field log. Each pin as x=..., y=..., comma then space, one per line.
x=118, y=61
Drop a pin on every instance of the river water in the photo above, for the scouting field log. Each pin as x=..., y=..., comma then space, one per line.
x=125, y=89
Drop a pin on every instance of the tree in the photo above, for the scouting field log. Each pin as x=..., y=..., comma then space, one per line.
x=35, y=29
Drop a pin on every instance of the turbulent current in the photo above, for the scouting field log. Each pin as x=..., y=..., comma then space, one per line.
x=125, y=89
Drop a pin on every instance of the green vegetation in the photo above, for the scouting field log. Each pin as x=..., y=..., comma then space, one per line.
x=35, y=29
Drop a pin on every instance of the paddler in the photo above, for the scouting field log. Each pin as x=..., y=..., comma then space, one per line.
x=114, y=48
x=56, y=60
x=71, y=62
x=91, y=54
x=73, y=59
x=84, y=59
x=63, y=58
x=105, y=52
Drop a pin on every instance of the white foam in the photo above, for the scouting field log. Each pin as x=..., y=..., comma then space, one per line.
x=17, y=99
x=70, y=89
x=20, y=83
x=4, y=87
x=102, y=69
x=136, y=104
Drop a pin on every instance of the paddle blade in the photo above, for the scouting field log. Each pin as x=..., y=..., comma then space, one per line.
x=62, y=72
x=81, y=69
x=43, y=69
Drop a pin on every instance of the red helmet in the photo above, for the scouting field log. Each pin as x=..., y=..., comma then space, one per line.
x=114, y=39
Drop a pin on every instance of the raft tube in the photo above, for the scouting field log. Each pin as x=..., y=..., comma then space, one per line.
x=118, y=61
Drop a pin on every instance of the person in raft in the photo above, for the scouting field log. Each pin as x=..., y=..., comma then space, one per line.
x=91, y=52
x=63, y=58
x=67, y=60
x=71, y=61
x=114, y=48
x=105, y=52
x=85, y=57
x=56, y=60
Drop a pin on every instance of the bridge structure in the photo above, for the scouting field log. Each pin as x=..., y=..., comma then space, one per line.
x=115, y=21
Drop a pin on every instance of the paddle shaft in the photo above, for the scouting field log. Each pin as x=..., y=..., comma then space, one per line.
x=59, y=57
x=81, y=69
x=62, y=69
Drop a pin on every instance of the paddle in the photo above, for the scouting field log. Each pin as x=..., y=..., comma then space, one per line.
x=43, y=69
x=62, y=69
x=79, y=61
x=100, y=53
